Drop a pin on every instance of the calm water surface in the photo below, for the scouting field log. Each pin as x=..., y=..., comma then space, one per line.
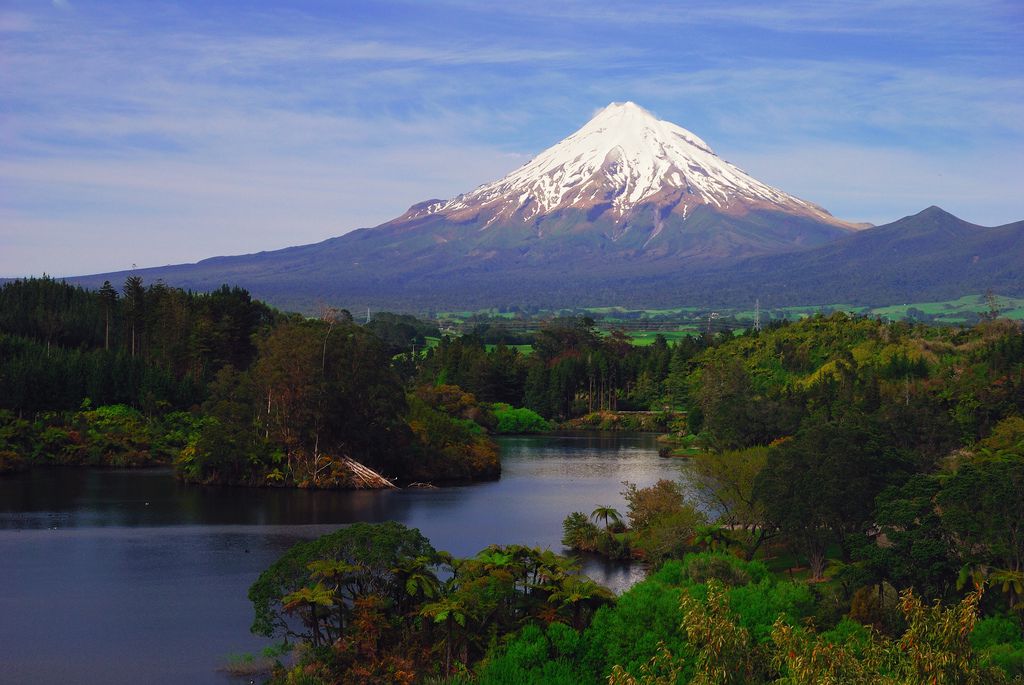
x=132, y=577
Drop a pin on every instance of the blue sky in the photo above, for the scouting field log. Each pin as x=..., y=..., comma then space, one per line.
x=158, y=132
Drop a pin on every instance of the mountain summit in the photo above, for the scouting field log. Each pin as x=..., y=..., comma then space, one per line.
x=623, y=161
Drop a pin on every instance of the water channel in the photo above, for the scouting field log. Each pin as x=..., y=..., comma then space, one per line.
x=110, y=576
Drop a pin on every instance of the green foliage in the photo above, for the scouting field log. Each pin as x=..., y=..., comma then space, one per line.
x=449, y=428
x=668, y=536
x=758, y=605
x=724, y=568
x=116, y=435
x=579, y=533
x=1007, y=436
x=982, y=505
x=373, y=551
x=153, y=349
x=518, y=419
x=995, y=630
x=400, y=332
x=644, y=505
x=663, y=524
x=645, y=616
x=724, y=650
x=1007, y=657
x=369, y=605
x=820, y=487
x=935, y=648
x=535, y=655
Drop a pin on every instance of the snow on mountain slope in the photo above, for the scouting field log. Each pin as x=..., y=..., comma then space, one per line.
x=622, y=159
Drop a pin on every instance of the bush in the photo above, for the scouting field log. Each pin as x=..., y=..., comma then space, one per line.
x=1000, y=643
x=11, y=461
x=700, y=568
x=629, y=633
x=881, y=613
x=849, y=633
x=668, y=536
x=613, y=546
x=646, y=504
x=995, y=630
x=449, y=446
x=116, y=435
x=580, y=533
x=535, y=656
x=758, y=605
x=1008, y=657
x=519, y=419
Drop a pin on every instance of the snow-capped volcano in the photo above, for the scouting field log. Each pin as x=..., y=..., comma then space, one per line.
x=627, y=209
x=623, y=160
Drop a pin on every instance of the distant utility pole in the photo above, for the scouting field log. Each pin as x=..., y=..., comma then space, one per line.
x=712, y=315
x=367, y=315
x=757, y=315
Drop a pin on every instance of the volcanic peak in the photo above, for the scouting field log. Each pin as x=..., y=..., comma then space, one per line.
x=622, y=158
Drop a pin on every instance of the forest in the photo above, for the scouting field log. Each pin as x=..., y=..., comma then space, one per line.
x=224, y=389
x=853, y=512
x=852, y=509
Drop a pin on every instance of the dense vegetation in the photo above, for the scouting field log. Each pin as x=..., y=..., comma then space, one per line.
x=852, y=513
x=224, y=388
x=854, y=510
x=378, y=604
x=152, y=347
x=573, y=370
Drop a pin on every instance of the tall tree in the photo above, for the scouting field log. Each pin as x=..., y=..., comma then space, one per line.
x=108, y=296
x=134, y=299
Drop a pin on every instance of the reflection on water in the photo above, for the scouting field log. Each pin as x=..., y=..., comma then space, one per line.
x=129, y=576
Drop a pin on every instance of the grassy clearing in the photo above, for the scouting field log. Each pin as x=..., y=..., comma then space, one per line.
x=952, y=312
x=522, y=349
x=1012, y=307
x=644, y=338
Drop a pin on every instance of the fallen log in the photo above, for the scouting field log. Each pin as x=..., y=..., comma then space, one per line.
x=364, y=478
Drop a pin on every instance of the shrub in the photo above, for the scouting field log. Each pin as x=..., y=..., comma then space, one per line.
x=668, y=536
x=758, y=605
x=1008, y=657
x=700, y=568
x=519, y=419
x=646, y=504
x=995, y=630
x=11, y=461
x=580, y=533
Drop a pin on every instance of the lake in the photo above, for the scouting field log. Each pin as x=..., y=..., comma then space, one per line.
x=117, y=576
